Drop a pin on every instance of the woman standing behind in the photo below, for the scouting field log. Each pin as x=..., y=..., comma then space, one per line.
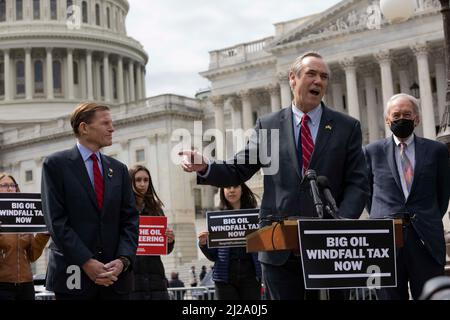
x=150, y=282
x=17, y=251
x=237, y=274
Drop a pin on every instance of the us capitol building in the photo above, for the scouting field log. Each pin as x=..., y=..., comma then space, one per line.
x=56, y=53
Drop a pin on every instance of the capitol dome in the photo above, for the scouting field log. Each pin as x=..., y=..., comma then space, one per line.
x=54, y=52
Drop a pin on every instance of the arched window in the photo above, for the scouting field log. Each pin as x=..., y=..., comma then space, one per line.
x=57, y=87
x=108, y=18
x=114, y=79
x=75, y=72
x=102, y=83
x=2, y=79
x=97, y=14
x=19, y=9
x=2, y=10
x=38, y=77
x=69, y=9
x=84, y=9
x=36, y=9
x=20, y=77
x=53, y=10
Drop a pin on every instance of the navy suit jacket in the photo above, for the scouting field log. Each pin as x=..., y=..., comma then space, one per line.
x=337, y=154
x=429, y=196
x=79, y=229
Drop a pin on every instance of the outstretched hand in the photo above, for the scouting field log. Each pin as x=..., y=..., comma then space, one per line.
x=193, y=161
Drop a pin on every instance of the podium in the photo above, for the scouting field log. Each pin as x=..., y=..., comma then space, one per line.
x=284, y=236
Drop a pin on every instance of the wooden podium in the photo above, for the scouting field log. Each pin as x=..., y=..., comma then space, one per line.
x=284, y=236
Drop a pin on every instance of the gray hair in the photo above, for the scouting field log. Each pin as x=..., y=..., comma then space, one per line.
x=297, y=65
x=414, y=102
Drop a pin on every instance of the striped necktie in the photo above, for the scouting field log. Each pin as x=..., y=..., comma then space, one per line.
x=408, y=171
x=307, y=142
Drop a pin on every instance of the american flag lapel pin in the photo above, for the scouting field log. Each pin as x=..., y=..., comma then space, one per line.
x=110, y=172
x=328, y=127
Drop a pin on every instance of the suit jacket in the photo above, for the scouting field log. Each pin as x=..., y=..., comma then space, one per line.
x=337, y=154
x=79, y=229
x=429, y=196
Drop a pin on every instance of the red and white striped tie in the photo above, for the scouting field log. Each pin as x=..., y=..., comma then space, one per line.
x=307, y=142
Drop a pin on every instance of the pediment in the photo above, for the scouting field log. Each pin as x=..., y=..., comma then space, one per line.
x=347, y=16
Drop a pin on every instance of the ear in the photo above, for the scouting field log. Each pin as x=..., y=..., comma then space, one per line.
x=292, y=79
x=416, y=121
x=82, y=128
x=387, y=121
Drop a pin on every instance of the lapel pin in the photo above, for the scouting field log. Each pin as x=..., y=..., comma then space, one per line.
x=110, y=172
x=328, y=127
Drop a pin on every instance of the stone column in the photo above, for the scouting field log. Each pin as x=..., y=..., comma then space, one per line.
x=372, y=114
x=89, y=78
x=232, y=104
x=218, y=103
x=426, y=97
x=144, y=91
x=70, y=74
x=384, y=60
x=285, y=89
x=28, y=75
x=247, y=116
x=352, y=87
x=106, y=83
x=131, y=78
x=441, y=80
x=49, y=73
x=120, y=86
x=7, y=76
x=139, y=81
x=98, y=80
x=337, y=90
x=403, y=74
x=275, y=102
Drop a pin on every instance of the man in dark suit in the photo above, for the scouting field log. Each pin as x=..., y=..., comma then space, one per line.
x=409, y=178
x=89, y=209
x=311, y=136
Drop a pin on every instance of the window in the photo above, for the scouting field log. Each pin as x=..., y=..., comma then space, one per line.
x=28, y=175
x=108, y=18
x=69, y=8
x=53, y=10
x=84, y=12
x=19, y=9
x=114, y=79
x=57, y=87
x=140, y=155
x=97, y=14
x=2, y=79
x=20, y=77
x=36, y=9
x=75, y=72
x=38, y=77
x=2, y=10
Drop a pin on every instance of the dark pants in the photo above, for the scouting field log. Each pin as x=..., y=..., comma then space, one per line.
x=100, y=293
x=414, y=265
x=149, y=295
x=242, y=282
x=19, y=291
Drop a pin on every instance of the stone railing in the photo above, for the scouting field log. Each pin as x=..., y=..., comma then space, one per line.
x=239, y=53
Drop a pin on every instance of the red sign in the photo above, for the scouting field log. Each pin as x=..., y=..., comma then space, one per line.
x=152, y=236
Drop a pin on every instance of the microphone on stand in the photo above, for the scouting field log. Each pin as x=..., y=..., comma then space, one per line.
x=311, y=176
x=324, y=186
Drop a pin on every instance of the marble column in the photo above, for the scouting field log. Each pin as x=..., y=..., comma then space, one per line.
x=275, y=102
x=49, y=73
x=372, y=114
x=89, y=77
x=70, y=85
x=144, y=90
x=120, y=86
x=426, y=97
x=403, y=73
x=352, y=87
x=7, y=75
x=247, y=116
x=337, y=90
x=285, y=89
x=138, y=81
x=106, y=82
x=28, y=75
x=218, y=103
x=131, y=79
x=232, y=104
x=384, y=59
x=441, y=80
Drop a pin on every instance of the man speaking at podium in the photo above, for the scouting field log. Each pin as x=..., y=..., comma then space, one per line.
x=311, y=136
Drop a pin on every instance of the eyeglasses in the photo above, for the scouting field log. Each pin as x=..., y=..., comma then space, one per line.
x=9, y=186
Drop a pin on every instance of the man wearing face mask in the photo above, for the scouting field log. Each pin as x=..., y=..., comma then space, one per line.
x=409, y=178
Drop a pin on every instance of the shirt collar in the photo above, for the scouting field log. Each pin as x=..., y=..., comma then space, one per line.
x=314, y=115
x=407, y=142
x=85, y=152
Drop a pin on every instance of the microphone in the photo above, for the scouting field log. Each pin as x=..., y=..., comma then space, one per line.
x=324, y=185
x=311, y=176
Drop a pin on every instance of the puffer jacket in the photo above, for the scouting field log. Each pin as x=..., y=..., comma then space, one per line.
x=17, y=251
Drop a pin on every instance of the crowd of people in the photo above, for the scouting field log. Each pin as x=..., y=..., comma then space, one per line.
x=92, y=202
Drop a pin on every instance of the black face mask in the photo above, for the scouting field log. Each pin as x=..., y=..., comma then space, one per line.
x=402, y=128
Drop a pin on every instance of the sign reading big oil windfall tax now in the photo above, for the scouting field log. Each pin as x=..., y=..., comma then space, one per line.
x=21, y=213
x=152, y=236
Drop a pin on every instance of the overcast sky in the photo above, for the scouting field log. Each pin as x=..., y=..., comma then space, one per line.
x=178, y=34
